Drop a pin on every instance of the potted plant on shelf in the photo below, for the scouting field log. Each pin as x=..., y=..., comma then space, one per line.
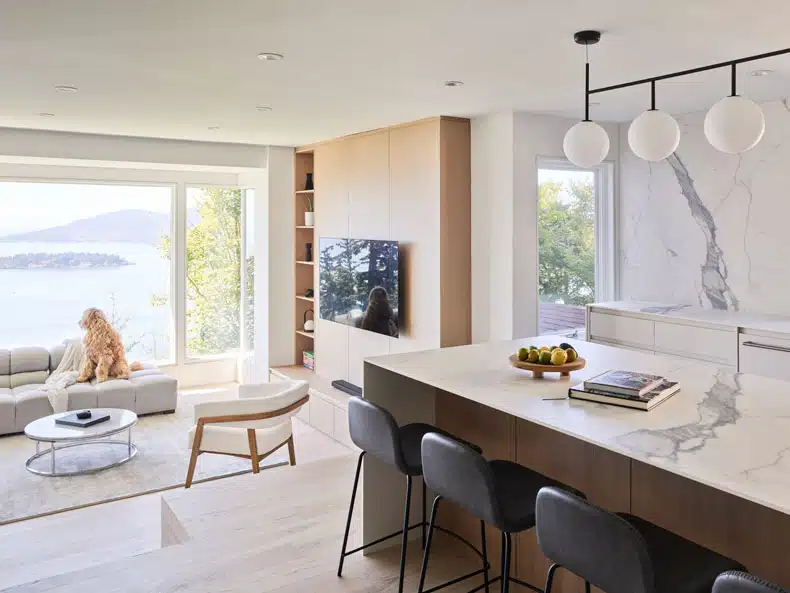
x=308, y=214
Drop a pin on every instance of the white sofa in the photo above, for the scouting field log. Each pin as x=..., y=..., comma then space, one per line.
x=24, y=370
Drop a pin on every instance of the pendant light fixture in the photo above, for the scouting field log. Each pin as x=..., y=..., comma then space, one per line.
x=586, y=144
x=654, y=135
x=734, y=124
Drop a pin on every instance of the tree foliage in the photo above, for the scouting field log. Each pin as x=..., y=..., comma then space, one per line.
x=213, y=273
x=567, y=242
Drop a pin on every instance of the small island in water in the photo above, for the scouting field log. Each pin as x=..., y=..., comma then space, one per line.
x=62, y=261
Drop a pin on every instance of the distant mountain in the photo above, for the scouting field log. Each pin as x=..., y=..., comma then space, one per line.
x=124, y=226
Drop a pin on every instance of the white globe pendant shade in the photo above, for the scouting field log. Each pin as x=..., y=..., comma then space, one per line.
x=734, y=125
x=586, y=144
x=654, y=135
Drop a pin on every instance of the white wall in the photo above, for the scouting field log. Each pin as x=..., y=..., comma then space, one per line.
x=492, y=235
x=506, y=148
x=720, y=242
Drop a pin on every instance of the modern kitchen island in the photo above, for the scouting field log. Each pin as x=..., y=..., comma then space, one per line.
x=712, y=463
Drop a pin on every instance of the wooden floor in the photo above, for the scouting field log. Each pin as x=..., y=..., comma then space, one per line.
x=278, y=531
x=76, y=540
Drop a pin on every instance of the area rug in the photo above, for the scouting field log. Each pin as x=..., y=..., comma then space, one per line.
x=161, y=463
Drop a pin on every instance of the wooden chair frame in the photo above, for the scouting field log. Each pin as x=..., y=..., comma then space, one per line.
x=254, y=456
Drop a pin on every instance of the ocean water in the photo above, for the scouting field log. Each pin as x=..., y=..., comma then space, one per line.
x=42, y=307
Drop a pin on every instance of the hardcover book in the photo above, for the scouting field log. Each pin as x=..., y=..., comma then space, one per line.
x=72, y=420
x=647, y=401
x=623, y=382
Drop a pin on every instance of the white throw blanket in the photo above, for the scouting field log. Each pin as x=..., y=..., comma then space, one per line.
x=64, y=376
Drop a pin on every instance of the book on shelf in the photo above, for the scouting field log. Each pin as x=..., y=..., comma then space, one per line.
x=623, y=382
x=646, y=401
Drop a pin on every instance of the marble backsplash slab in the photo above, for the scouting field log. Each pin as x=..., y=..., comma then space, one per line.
x=706, y=228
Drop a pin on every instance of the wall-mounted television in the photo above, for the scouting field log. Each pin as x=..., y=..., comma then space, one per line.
x=358, y=284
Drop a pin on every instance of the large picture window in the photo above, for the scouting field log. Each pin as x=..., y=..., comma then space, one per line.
x=213, y=271
x=65, y=247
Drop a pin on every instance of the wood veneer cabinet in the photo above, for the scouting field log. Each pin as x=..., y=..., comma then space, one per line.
x=412, y=184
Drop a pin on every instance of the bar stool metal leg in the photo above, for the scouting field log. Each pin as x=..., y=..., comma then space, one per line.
x=424, y=567
x=423, y=514
x=405, y=538
x=506, y=551
x=485, y=554
x=550, y=578
x=350, y=513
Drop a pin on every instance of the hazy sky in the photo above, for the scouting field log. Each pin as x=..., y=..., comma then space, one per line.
x=26, y=206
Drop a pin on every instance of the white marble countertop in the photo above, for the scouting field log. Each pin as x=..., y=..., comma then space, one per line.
x=728, y=430
x=738, y=320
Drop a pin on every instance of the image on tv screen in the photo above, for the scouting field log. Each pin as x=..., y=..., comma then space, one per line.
x=358, y=284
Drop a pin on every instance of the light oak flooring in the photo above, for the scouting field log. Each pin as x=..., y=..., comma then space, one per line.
x=75, y=540
x=279, y=531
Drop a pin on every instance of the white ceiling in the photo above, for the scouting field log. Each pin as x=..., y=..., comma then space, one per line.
x=172, y=68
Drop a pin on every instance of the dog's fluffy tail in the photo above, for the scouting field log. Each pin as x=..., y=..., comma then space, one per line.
x=136, y=366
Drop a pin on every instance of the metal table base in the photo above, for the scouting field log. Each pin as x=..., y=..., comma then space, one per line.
x=131, y=451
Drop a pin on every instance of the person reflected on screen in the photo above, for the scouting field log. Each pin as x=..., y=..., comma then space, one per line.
x=379, y=316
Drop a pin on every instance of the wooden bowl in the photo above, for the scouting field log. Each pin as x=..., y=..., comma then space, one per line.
x=538, y=369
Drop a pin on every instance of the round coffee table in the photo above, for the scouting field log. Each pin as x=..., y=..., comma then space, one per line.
x=59, y=436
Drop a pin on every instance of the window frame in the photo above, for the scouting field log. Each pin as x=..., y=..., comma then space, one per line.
x=605, y=230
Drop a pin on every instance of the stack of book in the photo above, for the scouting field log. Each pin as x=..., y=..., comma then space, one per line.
x=625, y=388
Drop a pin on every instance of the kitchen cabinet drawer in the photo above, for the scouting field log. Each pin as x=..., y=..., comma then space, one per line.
x=769, y=357
x=322, y=415
x=713, y=345
x=618, y=329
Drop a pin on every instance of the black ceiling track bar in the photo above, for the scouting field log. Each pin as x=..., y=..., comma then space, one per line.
x=730, y=63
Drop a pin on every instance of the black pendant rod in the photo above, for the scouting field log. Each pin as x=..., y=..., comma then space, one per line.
x=730, y=63
x=587, y=91
x=652, y=95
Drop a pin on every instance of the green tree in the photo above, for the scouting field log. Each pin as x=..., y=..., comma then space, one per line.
x=213, y=274
x=566, y=220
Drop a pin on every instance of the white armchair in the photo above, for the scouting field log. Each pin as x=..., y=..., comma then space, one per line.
x=253, y=426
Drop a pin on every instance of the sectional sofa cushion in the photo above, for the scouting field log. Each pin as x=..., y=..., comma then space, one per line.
x=25, y=360
x=7, y=411
x=22, y=399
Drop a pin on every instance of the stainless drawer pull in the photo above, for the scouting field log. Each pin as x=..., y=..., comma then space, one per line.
x=766, y=347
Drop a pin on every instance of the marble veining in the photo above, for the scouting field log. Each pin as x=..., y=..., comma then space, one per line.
x=728, y=430
x=717, y=409
x=714, y=269
x=707, y=228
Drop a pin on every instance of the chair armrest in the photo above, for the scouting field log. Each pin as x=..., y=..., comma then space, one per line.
x=242, y=410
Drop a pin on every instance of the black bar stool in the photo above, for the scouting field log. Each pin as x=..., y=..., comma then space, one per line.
x=734, y=581
x=621, y=553
x=374, y=430
x=500, y=493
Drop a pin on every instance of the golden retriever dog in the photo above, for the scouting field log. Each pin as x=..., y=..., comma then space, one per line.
x=104, y=353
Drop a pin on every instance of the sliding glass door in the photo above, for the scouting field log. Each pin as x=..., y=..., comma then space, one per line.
x=575, y=259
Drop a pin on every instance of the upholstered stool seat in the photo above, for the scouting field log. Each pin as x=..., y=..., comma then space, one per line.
x=499, y=493
x=374, y=430
x=735, y=581
x=621, y=553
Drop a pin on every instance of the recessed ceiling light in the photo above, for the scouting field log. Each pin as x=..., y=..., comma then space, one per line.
x=453, y=83
x=64, y=88
x=213, y=128
x=270, y=56
x=263, y=108
x=760, y=73
x=46, y=114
